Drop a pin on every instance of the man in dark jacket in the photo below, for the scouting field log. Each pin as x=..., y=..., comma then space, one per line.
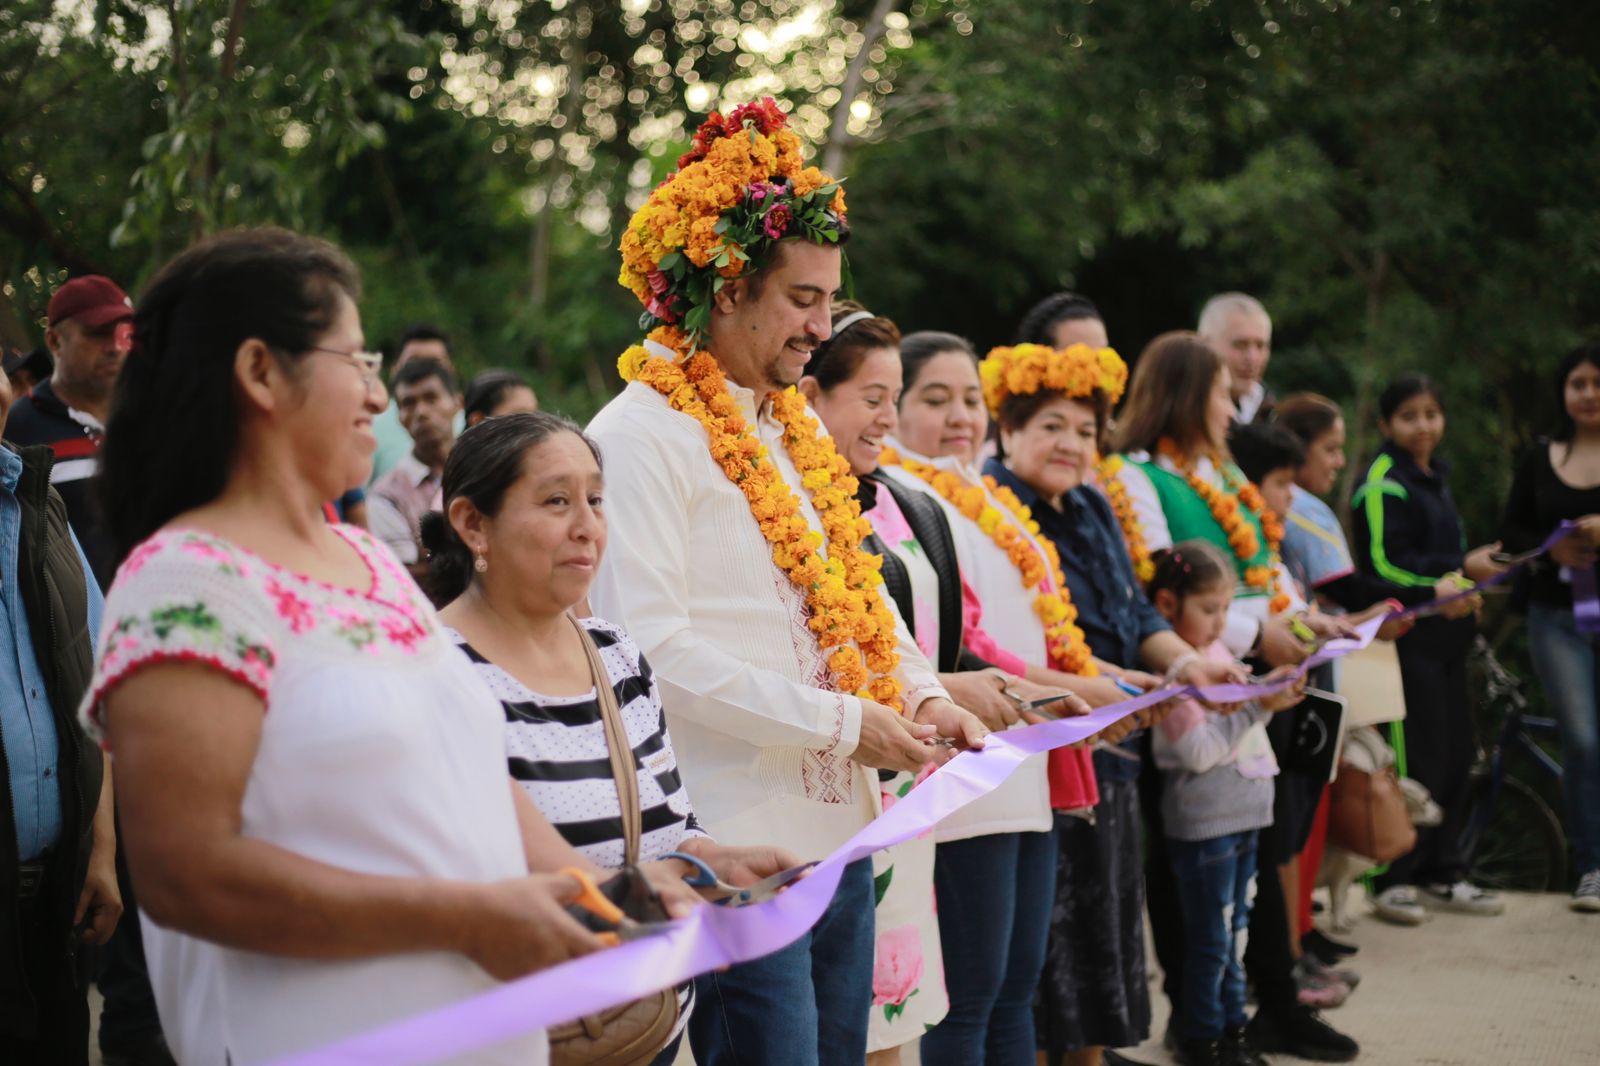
x=58, y=882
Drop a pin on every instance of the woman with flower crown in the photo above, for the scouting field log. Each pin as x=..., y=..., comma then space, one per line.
x=736, y=562
x=1051, y=406
x=995, y=863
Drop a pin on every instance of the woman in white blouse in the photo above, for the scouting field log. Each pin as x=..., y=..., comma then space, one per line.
x=312, y=780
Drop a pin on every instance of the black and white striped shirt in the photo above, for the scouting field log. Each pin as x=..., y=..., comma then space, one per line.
x=557, y=750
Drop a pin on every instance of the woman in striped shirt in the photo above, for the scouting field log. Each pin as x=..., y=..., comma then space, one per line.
x=521, y=536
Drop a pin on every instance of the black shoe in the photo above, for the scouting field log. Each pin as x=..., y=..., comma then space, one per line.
x=1326, y=948
x=140, y=1051
x=1200, y=1053
x=1237, y=1049
x=1300, y=1032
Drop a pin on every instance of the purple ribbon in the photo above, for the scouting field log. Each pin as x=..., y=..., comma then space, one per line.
x=714, y=937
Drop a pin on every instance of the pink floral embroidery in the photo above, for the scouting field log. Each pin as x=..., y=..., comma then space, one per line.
x=204, y=549
x=138, y=557
x=898, y=969
x=291, y=608
x=403, y=631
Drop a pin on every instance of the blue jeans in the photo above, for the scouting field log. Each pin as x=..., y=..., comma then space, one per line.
x=804, y=1005
x=995, y=893
x=1216, y=881
x=1565, y=661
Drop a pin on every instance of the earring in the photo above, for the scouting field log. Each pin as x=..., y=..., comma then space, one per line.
x=480, y=564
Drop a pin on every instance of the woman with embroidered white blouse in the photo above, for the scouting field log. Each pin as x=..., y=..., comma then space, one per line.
x=312, y=780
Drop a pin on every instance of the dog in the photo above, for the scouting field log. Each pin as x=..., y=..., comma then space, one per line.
x=1364, y=749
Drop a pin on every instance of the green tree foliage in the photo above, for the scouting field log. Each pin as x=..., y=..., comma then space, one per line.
x=1406, y=184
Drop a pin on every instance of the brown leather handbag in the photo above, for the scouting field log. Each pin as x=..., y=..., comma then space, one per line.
x=629, y=1034
x=1367, y=814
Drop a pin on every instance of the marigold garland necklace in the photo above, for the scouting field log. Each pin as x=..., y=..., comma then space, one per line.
x=841, y=590
x=1121, y=506
x=1224, y=505
x=1068, y=649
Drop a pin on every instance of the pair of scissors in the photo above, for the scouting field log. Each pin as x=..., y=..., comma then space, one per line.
x=595, y=911
x=760, y=892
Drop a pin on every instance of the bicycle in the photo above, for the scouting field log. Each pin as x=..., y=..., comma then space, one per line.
x=1511, y=838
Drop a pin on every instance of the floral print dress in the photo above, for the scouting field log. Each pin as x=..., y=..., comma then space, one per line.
x=908, y=992
x=381, y=752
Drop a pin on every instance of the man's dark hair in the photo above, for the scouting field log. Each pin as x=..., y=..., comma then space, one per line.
x=173, y=433
x=423, y=331
x=416, y=371
x=1039, y=324
x=1261, y=447
x=488, y=389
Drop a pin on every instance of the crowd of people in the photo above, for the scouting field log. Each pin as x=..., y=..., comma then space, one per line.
x=390, y=685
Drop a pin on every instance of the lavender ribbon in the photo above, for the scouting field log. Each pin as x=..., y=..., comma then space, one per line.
x=714, y=937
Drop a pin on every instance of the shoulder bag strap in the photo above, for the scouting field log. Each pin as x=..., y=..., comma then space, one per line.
x=623, y=768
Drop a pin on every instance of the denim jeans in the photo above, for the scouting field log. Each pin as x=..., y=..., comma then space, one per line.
x=804, y=1005
x=1216, y=880
x=995, y=893
x=1565, y=660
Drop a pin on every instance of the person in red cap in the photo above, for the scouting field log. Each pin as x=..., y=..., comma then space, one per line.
x=90, y=333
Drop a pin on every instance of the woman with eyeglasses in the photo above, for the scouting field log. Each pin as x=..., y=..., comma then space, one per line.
x=312, y=781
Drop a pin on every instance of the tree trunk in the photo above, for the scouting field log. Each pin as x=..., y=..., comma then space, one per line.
x=1360, y=419
x=839, y=128
x=539, y=246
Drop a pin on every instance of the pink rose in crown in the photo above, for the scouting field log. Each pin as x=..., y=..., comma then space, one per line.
x=662, y=309
x=777, y=221
x=659, y=282
x=899, y=966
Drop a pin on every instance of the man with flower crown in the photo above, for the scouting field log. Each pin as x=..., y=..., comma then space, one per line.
x=735, y=561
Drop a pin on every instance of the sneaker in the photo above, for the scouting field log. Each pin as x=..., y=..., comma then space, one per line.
x=1237, y=1049
x=1587, y=895
x=1463, y=898
x=1302, y=1033
x=1309, y=963
x=1326, y=947
x=1321, y=993
x=1399, y=904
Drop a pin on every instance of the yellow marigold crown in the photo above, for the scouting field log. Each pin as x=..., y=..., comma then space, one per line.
x=740, y=189
x=1077, y=372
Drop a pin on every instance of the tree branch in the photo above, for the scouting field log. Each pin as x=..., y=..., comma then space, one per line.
x=839, y=128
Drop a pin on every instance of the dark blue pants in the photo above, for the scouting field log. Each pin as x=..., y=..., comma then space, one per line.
x=805, y=1005
x=1215, y=885
x=995, y=893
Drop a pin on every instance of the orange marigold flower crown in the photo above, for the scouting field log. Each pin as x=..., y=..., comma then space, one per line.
x=1077, y=372
x=740, y=189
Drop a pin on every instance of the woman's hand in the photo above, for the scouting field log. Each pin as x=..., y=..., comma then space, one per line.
x=949, y=720
x=1328, y=626
x=1289, y=697
x=667, y=878
x=1577, y=549
x=1589, y=529
x=983, y=693
x=1450, y=585
x=1278, y=645
x=521, y=925
x=1067, y=705
x=740, y=867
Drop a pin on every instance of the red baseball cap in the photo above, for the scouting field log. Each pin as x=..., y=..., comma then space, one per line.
x=93, y=300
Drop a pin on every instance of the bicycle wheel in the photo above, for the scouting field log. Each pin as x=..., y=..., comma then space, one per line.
x=1522, y=848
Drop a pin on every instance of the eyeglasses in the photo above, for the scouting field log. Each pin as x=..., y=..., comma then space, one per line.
x=369, y=363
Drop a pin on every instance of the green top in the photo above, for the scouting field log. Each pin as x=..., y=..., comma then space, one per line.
x=1189, y=518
